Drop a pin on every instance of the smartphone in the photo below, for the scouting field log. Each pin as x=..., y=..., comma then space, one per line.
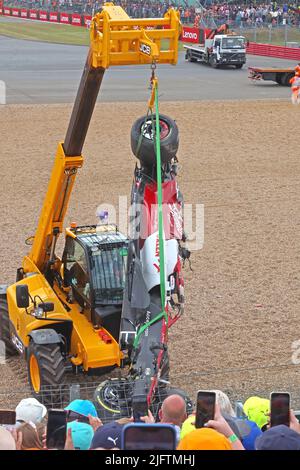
x=74, y=416
x=7, y=417
x=280, y=408
x=205, y=407
x=297, y=414
x=141, y=436
x=56, y=429
x=139, y=409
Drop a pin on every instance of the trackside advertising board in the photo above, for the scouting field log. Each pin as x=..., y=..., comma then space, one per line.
x=65, y=18
x=53, y=17
x=76, y=20
x=190, y=35
x=43, y=15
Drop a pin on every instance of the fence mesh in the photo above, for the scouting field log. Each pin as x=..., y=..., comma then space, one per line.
x=112, y=398
x=237, y=383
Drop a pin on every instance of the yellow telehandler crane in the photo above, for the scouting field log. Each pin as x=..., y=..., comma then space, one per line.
x=64, y=312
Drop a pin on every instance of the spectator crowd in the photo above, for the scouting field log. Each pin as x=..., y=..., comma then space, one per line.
x=239, y=14
x=227, y=431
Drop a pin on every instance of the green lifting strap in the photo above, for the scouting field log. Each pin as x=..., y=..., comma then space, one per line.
x=163, y=313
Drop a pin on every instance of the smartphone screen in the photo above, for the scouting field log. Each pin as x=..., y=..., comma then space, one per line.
x=56, y=429
x=7, y=417
x=139, y=409
x=140, y=436
x=74, y=416
x=280, y=409
x=205, y=408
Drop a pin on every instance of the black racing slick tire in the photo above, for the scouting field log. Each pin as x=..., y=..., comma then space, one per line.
x=143, y=139
x=112, y=399
x=178, y=391
x=9, y=349
x=46, y=373
x=239, y=66
x=165, y=392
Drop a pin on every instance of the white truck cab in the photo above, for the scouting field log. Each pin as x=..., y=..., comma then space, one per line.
x=222, y=49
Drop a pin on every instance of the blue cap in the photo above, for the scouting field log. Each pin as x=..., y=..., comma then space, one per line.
x=249, y=438
x=108, y=436
x=247, y=431
x=82, y=435
x=278, y=438
x=84, y=407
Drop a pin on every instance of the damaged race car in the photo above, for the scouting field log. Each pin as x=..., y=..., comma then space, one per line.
x=144, y=320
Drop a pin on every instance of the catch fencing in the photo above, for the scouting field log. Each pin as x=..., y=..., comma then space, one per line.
x=238, y=383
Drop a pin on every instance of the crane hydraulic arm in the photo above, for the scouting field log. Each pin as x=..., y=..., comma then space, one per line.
x=115, y=39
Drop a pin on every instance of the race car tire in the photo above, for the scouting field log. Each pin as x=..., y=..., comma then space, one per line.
x=143, y=139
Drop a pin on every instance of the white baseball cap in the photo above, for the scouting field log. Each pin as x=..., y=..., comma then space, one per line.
x=30, y=409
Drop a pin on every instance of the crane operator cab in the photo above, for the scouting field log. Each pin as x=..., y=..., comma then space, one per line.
x=94, y=264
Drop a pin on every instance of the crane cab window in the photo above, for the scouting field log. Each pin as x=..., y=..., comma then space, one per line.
x=108, y=273
x=76, y=270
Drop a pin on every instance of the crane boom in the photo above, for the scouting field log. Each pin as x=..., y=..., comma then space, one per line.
x=115, y=39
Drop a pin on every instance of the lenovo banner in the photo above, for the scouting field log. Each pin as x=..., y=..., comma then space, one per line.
x=24, y=13
x=43, y=15
x=76, y=20
x=1, y=7
x=6, y=11
x=190, y=35
x=33, y=14
x=64, y=18
x=53, y=16
x=15, y=12
x=87, y=21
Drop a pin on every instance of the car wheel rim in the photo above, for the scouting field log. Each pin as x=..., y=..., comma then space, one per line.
x=147, y=129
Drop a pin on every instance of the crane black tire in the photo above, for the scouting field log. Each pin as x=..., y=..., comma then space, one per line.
x=144, y=147
x=46, y=373
x=4, y=330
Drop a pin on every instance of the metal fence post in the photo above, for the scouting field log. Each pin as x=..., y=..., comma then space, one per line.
x=74, y=392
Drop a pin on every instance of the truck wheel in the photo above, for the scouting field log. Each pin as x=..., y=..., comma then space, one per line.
x=46, y=373
x=285, y=78
x=4, y=330
x=213, y=62
x=189, y=57
x=239, y=66
x=143, y=145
